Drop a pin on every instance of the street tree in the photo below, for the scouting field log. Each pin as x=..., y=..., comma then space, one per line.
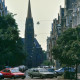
x=67, y=49
x=47, y=63
x=11, y=46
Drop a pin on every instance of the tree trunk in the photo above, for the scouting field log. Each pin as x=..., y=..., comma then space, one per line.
x=76, y=70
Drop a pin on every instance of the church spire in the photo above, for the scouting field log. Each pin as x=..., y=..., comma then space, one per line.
x=29, y=15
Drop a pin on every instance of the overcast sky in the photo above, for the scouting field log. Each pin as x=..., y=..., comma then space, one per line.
x=42, y=10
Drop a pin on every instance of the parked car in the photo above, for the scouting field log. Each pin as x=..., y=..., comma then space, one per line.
x=12, y=73
x=23, y=68
x=62, y=70
x=40, y=72
x=1, y=76
x=53, y=71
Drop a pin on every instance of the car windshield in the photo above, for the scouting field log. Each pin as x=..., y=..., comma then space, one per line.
x=43, y=70
x=14, y=70
x=51, y=70
x=60, y=69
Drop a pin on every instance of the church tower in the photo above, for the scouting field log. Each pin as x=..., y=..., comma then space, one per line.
x=29, y=37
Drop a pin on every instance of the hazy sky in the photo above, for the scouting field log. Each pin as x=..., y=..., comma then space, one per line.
x=42, y=10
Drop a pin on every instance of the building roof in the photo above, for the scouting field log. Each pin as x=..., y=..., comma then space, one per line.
x=37, y=45
x=29, y=15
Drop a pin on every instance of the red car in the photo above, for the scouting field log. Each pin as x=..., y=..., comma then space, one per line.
x=12, y=73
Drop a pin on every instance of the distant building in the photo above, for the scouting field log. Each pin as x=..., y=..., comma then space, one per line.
x=76, y=14
x=68, y=17
x=58, y=26
x=51, y=42
x=29, y=36
x=39, y=56
x=32, y=48
x=68, y=12
x=48, y=48
x=61, y=20
x=3, y=8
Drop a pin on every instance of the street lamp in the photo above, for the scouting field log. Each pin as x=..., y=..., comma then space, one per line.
x=38, y=22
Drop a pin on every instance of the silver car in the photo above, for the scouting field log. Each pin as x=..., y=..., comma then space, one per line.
x=40, y=72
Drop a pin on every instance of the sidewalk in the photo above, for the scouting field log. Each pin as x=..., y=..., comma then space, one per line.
x=78, y=76
x=60, y=78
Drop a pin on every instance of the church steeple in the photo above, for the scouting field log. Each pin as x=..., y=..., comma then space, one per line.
x=29, y=15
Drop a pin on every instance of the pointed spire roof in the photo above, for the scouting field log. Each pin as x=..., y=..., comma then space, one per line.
x=29, y=15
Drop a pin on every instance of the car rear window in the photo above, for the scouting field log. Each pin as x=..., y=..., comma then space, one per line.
x=43, y=70
x=51, y=70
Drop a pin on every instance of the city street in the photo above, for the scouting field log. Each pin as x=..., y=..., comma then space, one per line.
x=32, y=79
x=28, y=78
x=36, y=79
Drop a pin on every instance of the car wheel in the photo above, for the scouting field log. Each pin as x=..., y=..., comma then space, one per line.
x=3, y=78
x=41, y=77
x=13, y=77
x=31, y=76
x=56, y=76
x=57, y=73
x=23, y=77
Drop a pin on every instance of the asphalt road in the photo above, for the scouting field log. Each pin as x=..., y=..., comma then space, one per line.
x=36, y=78
x=31, y=79
x=28, y=78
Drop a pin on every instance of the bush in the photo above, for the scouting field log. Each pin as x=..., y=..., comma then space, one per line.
x=69, y=75
x=47, y=63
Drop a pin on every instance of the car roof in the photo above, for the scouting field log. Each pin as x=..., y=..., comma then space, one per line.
x=9, y=68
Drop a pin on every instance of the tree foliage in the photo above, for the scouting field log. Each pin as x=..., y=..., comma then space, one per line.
x=47, y=63
x=11, y=46
x=67, y=50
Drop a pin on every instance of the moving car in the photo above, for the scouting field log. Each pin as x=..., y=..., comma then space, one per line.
x=40, y=72
x=12, y=73
x=62, y=70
